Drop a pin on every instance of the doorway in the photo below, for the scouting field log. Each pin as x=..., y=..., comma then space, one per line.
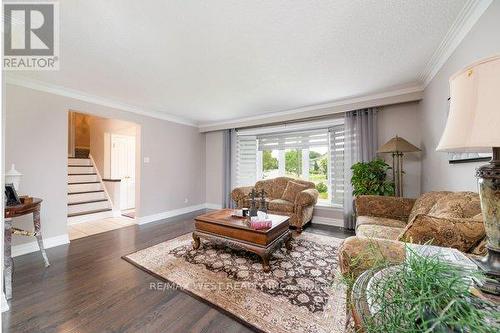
x=103, y=174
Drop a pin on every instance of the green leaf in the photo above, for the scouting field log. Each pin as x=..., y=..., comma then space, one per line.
x=370, y=178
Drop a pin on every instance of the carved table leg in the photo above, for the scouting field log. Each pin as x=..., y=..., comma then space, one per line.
x=288, y=240
x=196, y=241
x=7, y=259
x=265, y=262
x=38, y=235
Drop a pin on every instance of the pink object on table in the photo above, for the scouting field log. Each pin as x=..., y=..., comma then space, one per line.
x=261, y=224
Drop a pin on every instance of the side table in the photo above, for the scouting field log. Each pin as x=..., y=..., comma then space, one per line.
x=360, y=308
x=359, y=304
x=26, y=207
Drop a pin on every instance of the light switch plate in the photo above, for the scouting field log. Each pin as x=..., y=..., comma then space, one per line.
x=146, y=160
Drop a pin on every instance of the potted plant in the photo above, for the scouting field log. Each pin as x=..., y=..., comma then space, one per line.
x=370, y=178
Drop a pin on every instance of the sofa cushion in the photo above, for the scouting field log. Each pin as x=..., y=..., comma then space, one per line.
x=358, y=254
x=362, y=220
x=459, y=233
x=292, y=190
x=447, y=205
x=378, y=231
x=425, y=202
x=281, y=205
x=384, y=206
x=274, y=188
x=457, y=205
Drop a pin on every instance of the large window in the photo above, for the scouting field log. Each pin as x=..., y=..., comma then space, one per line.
x=270, y=164
x=308, y=164
x=315, y=155
x=318, y=171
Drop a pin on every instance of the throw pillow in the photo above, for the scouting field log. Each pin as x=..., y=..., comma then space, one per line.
x=425, y=203
x=291, y=191
x=459, y=233
x=457, y=205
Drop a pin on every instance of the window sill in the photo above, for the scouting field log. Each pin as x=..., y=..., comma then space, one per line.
x=329, y=206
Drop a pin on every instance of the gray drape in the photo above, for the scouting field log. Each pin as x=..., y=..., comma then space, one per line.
x=227, y=147
x=360, y=144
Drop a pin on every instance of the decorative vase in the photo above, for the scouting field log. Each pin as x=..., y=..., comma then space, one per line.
x=13, y=177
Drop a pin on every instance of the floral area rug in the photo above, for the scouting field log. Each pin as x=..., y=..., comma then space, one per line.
x=301, y=293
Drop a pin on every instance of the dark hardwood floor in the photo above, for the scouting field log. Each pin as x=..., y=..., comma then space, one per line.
x=89, y=288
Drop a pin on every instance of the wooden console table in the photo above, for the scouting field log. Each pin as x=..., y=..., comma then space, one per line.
x=31, y=207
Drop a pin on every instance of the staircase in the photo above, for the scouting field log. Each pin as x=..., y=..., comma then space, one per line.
x=87, y=199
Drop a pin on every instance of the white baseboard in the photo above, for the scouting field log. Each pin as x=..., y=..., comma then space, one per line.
x=19, y=250
x=170, y=213
x=327, y=221
x=213, y=206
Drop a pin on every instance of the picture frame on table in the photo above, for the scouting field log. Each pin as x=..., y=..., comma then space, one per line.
x=456, y=158
x=11, y=196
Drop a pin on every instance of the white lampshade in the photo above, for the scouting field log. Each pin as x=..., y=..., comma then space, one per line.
x=473, y=123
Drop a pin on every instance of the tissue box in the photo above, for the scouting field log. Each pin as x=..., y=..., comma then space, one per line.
x=260, y=224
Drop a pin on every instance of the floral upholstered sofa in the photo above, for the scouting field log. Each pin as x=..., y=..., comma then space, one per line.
x=285, y=196
x=385, y=224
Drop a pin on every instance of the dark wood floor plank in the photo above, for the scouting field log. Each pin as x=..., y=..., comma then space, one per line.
x=89, y=288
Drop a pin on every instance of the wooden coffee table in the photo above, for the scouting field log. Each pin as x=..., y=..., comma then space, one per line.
x=219, y=226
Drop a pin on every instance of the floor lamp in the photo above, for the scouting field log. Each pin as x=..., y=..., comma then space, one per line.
x=473, y=125
x=397, y=146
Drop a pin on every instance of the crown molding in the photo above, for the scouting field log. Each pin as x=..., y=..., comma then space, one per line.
x=410, y=94
x=466, y=19
x=82, y=96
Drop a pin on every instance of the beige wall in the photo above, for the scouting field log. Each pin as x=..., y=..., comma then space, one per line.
x=403, y=120
x=82, y=130
x=214, y=168
x=99, y=129
x=36, y=141
x=437, y=174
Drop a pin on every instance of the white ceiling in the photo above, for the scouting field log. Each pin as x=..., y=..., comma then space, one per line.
x=210, y=61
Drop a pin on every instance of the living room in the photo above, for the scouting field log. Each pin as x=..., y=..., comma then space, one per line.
x=287, y=155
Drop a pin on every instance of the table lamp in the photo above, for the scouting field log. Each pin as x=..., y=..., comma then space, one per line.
x=473, y=125
x=397, y=146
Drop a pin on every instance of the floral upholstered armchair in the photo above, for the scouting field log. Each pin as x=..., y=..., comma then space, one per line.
x=285, y=196
x=385, y=224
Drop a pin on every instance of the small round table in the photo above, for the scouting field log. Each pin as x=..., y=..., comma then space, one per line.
x=27, y=206
x=359, y=296
x=359, y=303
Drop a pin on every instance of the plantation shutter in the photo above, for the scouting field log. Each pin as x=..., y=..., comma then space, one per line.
x=246, y=160
x=336, y=140
x=293, y=140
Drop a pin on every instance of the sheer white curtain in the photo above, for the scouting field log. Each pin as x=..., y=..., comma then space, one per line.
x=360, y=144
